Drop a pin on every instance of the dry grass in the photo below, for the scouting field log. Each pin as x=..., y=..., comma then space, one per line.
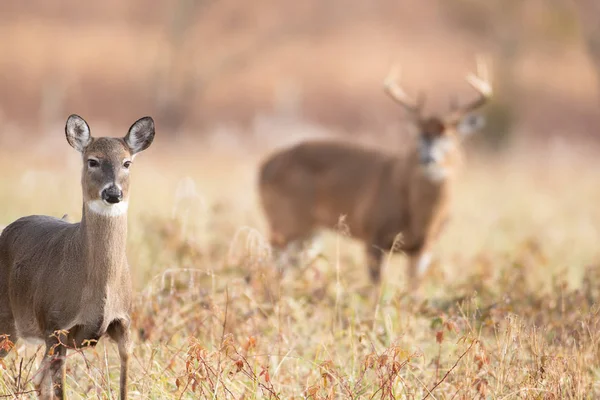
x=509, y=310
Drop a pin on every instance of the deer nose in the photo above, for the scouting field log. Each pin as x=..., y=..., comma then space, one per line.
x=112, y=194
x=427, y=159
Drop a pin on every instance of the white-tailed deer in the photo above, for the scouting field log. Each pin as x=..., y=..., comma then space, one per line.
x=311, y=185
x=68, y=284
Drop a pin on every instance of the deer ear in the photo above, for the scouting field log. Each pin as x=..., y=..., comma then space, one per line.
x=78, y=133
x=470, y=124
x=140, y=135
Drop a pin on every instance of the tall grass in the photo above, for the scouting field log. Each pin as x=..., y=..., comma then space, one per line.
x=509, y=309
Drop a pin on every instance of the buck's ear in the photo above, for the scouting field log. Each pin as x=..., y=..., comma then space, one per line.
x=78, y=133
x=140, y=135
x=470, y=124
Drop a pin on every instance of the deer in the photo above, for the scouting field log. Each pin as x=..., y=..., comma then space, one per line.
x=68, y=284
x=390, y=201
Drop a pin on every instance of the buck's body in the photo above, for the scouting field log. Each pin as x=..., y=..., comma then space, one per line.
x=389, y=201
x=40, y=251
x=380, y=195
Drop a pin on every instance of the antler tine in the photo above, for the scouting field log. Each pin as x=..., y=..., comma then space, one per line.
x=396, y=93
x=481, y=83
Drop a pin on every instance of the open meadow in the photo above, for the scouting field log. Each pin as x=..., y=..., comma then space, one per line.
x=509, y=309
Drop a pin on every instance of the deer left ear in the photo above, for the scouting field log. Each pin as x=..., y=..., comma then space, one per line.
x=470, y=124
x=78, y=133
x=140, y=135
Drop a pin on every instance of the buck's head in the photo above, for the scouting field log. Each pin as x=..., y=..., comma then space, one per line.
x=439, y=138
x=107, y=162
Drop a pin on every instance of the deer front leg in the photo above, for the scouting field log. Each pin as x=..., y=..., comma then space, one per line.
x=119, y=332
x=58, y=371
x=8, y=332
x=374, y=256
x=418, y=263
x=50, y=377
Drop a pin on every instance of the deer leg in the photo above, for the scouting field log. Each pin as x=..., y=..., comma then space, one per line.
x=52, y=366
x=312, y=248
x=8, y=331
x=418, y=264
x=43, y=379
x=58, y=371
x=289, y=229
x=279, y=245
x=280, y=256
x=286, y=256
x=286, y=250
x=374, y=257
x=298, y=252
x=119, y=332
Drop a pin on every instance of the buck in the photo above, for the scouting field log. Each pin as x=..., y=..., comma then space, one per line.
x=68, y=284
x=396, y=202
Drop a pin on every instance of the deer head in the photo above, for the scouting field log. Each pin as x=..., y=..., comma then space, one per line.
x=106, y=163
x=440, y=136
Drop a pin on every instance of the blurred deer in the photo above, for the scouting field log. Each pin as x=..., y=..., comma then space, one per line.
x=68, y=284
x=396, y=202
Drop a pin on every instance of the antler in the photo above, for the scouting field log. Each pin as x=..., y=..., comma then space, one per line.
x=396, y=93
x=479, y=82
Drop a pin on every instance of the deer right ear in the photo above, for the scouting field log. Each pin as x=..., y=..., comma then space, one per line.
x=78, y=133
x=470, y=124
x=140, y=135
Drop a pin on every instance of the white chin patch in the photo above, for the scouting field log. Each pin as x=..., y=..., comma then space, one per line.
x=436, y=173
x=103, y=208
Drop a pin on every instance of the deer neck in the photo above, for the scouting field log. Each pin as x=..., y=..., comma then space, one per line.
x=104, y=240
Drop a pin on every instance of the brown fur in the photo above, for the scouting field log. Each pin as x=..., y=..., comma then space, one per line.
x=55, y=275
x=313, y=184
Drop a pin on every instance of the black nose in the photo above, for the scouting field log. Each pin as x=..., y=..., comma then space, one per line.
x=112, y=195
x=427, y=159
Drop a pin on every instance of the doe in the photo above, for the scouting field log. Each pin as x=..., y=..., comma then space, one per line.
x=69, y=284
x=382, y=195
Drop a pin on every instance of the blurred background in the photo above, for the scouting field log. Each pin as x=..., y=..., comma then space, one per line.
x=228, y=82
x=266, y=70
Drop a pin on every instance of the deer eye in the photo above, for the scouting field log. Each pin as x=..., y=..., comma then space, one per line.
x=93, y=163
x=127, y=164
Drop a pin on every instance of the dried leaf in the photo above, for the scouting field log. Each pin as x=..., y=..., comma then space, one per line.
x=439, y=336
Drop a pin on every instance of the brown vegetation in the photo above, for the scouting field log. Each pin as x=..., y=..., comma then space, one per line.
x=508, y=308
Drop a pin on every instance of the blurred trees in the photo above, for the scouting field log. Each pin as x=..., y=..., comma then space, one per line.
x=182, y=82
x=501, y=24
x=589, y=18
x=202, y=63
x=512, y=28
x=506, y=31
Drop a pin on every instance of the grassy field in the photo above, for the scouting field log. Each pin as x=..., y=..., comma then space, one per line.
x=508, y=311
